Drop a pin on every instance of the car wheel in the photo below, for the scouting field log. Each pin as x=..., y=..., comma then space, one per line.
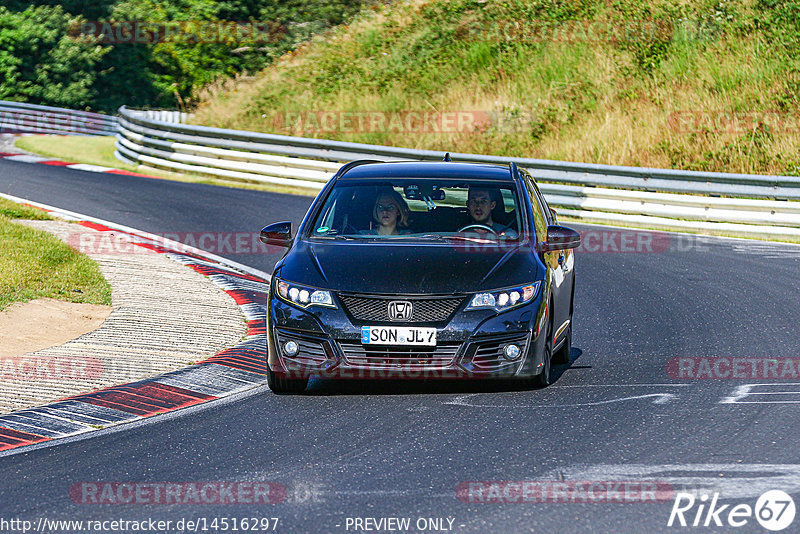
x=562, y=356
x=542, y=380
x=281, y=385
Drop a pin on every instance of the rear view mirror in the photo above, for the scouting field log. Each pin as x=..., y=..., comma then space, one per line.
x=279, y=234
x=412, y=192
x=437, y=194
x=417, y=192
x=561, y=238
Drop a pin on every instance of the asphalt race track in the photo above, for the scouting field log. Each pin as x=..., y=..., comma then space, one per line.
x=357, y=450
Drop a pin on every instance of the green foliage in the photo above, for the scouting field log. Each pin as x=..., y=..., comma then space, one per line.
x=41, y=63
x=89, y=9
x=780, y=20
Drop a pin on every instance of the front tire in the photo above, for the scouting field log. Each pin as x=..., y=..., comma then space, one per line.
x=542, y=380
x=280, y=385
x=562, y=356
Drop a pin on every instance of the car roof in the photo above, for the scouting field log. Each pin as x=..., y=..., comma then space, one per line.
x=428, y=169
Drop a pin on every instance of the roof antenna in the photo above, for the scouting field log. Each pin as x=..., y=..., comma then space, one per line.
x=447, y=157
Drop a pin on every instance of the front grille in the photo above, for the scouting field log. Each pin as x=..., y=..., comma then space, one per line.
x=423, y=309
x=488, y=355
x=390, y=356
x=312, y=353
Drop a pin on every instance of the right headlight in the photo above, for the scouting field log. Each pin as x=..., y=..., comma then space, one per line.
x=504, y=299
x=303, y=296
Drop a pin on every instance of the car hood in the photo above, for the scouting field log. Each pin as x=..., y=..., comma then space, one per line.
x=401, y=268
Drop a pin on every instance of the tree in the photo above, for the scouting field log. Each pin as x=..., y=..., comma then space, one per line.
x=41, y=63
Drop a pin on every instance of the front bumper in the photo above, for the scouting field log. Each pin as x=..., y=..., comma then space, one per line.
x=469, y=345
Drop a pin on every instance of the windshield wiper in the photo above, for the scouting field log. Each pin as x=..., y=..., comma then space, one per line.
x=440, y=237
x=337, y=237
x=484, y=240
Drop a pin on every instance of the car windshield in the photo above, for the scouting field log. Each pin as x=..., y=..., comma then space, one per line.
x=420, y=209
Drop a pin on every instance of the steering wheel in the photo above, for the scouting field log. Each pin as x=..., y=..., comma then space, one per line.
x=476, y=226
x=349, y=229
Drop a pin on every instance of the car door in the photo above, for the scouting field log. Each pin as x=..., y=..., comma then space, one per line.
x=557, y=262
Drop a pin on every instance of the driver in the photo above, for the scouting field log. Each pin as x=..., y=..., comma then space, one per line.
x=480, y=206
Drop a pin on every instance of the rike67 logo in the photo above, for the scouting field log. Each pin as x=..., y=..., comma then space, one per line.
x=774, y=510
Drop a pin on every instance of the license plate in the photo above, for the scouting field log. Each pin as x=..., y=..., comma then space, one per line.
x=397, y=335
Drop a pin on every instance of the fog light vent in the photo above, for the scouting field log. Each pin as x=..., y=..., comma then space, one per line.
x=511, y=352
x=290, y=348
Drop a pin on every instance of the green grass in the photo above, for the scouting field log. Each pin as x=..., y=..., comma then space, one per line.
x=100, y=151
x=74, y=148
x=35, y=264
x=12, y=210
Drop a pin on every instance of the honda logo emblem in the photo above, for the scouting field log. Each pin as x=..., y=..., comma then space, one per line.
x=400, y=310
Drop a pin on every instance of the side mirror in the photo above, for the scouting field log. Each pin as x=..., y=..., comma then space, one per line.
x=279, y=234
x=554, y=214
x=561, y=238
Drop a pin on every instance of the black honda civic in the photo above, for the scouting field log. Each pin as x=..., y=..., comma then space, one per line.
x=421, y=270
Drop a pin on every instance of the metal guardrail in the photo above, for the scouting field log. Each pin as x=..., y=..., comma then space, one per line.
x=18, y=117
x=163, y=115
x=740, y=204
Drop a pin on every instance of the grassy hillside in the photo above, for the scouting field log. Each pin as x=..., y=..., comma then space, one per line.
x=697, y=84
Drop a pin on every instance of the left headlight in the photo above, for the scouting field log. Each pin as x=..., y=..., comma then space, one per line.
x=303, y=296
x=504, y=299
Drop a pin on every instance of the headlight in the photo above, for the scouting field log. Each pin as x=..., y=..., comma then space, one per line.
x=303, y=296
x=504, y=299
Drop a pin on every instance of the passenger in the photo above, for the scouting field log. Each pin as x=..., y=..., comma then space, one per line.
x=481, y=205
x=390, y=212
